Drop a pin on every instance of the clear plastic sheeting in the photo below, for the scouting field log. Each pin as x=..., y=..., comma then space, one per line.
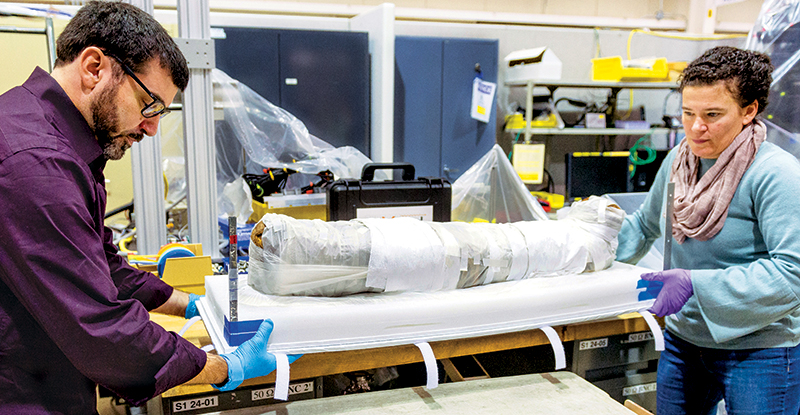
x=238, y=200
x=315, y=258
x=775, y=18
x=308, y=257
x=785, y=139
x=173, y=163
x=491, y=191
x=254, y=134
x=777, y=34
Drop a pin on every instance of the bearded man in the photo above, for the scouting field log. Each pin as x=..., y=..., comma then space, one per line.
x=73, y=314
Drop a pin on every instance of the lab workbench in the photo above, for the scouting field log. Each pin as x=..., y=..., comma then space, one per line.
x=306, y=371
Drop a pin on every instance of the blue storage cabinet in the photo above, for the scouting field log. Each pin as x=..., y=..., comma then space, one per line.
x=418, y=103
x=433, y=128
x=332, y=75
x=321, y=77
x=251, y=56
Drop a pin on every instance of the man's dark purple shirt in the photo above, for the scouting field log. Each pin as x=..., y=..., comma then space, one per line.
x=73, y=314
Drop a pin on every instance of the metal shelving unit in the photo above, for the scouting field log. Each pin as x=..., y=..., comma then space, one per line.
x=614, y=89
x=589, y=131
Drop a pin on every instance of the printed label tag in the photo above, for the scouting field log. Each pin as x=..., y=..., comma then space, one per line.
x=639, y=389
x=482, y=97
x=197, y=403
x=593, y=344
x=269, y=393
x=639, y=337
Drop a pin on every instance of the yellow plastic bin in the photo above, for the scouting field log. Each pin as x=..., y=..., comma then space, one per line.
x=611, y=69
x=309, y=206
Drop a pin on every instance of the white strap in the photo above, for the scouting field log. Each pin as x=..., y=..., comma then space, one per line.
x=281, y=377
x=558, y=347
x=188, y=324
x=658, y=335
x=430, y=364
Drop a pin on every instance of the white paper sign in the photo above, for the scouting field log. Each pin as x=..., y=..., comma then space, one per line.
x=423, y=213
x=482, y=97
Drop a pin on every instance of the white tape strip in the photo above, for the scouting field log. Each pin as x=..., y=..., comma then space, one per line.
x=497, y=263
x=430, y=364
x=601, y=211
x=658, y=335
x=282, y=377
x=558, y=347
x=451, y=246
x=279, y=228
x=188, y=324
x=519, y=251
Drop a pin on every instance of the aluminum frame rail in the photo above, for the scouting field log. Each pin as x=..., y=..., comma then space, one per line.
x=148, y=184
x=194, y=27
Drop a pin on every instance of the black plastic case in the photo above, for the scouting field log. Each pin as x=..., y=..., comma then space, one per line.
x=350, y=198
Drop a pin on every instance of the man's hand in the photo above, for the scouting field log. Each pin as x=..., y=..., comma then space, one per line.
x=191, y=308
x=251, y=359
x=675, y=292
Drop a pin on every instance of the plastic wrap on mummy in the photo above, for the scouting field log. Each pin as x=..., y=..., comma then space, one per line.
x=316, y=258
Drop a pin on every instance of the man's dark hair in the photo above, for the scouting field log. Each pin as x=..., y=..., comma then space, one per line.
x=124, y=31
x=747, y=74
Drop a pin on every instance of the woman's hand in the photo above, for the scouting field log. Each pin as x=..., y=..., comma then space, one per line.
x=675, y=292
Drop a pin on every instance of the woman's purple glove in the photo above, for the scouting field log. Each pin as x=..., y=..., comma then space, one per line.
x=676, y=290
x=251, y=359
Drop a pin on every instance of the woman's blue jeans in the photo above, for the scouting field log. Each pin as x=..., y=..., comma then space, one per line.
x=692, y=380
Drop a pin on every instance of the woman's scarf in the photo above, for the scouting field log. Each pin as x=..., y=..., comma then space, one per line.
x=701, y=206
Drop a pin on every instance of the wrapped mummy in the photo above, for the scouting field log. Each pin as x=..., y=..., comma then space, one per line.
x=312, y=257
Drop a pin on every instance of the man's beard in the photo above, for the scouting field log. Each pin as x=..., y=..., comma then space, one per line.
x=106, y=124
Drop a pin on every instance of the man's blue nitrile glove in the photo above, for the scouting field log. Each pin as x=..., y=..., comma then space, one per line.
x=191, y=309
x=251, y=359
x=676, y=290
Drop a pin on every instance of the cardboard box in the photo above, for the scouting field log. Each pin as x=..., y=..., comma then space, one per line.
x=595, y=120
x=538, y=63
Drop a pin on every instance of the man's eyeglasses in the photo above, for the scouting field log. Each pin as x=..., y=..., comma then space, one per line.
x=153, y=109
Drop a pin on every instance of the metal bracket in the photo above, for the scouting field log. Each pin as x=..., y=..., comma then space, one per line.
x=199, y=53
x=668, y=226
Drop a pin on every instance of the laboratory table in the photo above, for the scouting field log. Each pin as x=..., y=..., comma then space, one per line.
x=559, y=386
